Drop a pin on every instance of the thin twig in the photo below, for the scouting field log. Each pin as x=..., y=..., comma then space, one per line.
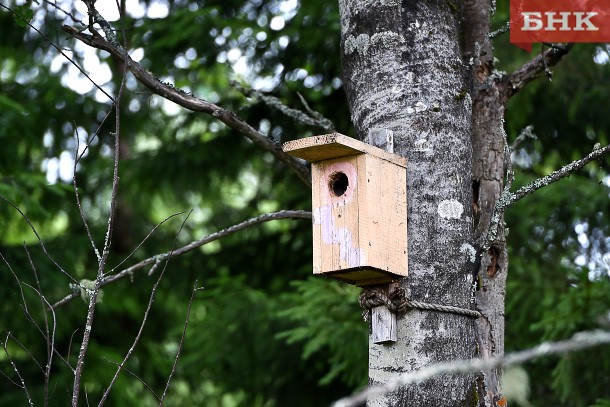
x=579, y=341
x=499, y=31
x=44, y=248
x=16, y=370
x=78, y=204
x=144, y=318
x=51, y=43
x=191, y=102
x=150, y=389
x=526, y=133
x=144, y=240
x=286, y=214
x=48, y=334
x=181, y=343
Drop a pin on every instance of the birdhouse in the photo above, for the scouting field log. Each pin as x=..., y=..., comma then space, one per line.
x=359, y=204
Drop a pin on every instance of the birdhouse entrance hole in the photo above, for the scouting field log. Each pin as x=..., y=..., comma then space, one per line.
x=338, y=183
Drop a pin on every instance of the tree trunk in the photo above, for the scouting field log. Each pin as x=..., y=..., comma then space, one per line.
x=403, y=71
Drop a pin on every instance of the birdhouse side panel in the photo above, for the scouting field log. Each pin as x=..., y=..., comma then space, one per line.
x=336, y=214
x=383, y=215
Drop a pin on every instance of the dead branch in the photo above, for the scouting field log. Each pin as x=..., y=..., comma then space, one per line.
x=189, y=101
x=508, y=198
x=579, y=341
x=285, y=214
x=16, y=370
x=515, y=81
x=181, y=343
x=136, y=340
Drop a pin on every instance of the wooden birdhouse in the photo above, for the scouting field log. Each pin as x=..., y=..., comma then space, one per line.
x=359, y=204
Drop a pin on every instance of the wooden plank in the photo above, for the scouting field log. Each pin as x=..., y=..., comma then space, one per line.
x=384, y=209
x=336, y=214
x=336, y=145
x=383, y=322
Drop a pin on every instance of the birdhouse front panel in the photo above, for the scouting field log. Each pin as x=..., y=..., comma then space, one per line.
x=359, y=209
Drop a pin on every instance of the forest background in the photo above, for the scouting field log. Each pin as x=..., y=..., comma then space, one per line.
x=262, y=331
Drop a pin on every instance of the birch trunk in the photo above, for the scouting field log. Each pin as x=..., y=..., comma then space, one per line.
x=403, y=71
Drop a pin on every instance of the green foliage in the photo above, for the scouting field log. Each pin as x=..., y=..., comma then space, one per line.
x=325, y=313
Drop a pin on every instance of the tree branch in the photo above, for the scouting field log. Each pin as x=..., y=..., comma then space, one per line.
x=181, y=343
x=136, y=340
x=191, y=102
x=508, y=198
x=154, y=260
x=311, y=119
x=515, y=81
x=579, y=341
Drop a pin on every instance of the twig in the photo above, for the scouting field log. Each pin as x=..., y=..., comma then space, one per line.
x=313, y=119
x=181, y=343
x=579, y=341
x=515, y=81
x=526, y=133
x=191, y=102
x=106, y=250
x=144, y=318
x=51, y=43
x=150, y=389
x=508, y=198
x=499, y=31
x=286, y=214
x=49, y=337
x=16, y=370
x=44, y=248
x=144, y=240
x=67, y=13
x=78, y=204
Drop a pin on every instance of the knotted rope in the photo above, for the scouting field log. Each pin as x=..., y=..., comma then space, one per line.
x=398, y=302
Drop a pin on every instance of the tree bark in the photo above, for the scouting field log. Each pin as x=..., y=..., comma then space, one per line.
x=403, y=71
x=489, y=154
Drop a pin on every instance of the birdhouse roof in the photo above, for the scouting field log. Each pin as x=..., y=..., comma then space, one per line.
x=336, y=145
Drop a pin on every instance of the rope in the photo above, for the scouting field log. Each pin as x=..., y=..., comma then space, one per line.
x=398, y=302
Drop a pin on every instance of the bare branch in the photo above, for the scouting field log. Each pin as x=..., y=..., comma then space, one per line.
x=107, y=241
x=526, y=133
x=51, y=43
x=312, y=119
x=286, y=214
x=16, y=370
x=48, y=334
x=191, y=102
x=579, y=341
x=44, y=248
x=78, y=204
x=499, y=31
x=150, y=389
x=508, y=198
x=515, y=81
x=181, y=343
x=144, y=318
